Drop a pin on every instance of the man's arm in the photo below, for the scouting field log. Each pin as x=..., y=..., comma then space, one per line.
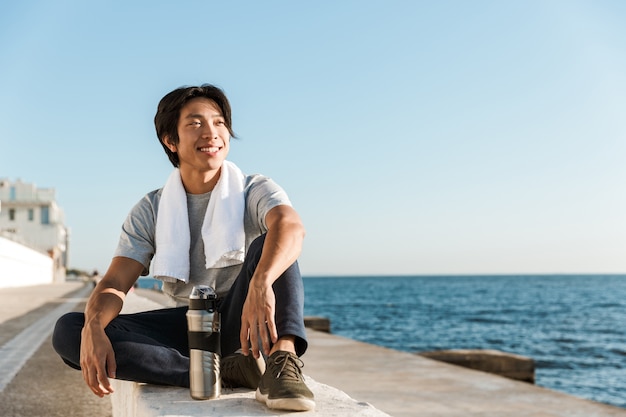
x=283, y=244
x=97, y=359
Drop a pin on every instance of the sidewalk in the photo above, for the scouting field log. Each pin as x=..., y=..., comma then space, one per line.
x=16, y=302
x=44, y=386
x=397, y=383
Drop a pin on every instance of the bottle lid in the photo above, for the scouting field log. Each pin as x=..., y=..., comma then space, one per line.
x=203, y=292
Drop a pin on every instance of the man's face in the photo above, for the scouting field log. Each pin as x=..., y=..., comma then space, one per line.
x=204, y=139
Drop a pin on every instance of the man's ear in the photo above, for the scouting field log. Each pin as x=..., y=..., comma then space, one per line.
x=171, y=146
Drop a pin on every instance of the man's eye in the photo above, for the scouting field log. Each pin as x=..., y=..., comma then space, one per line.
x=219, y=123
x=195, y=124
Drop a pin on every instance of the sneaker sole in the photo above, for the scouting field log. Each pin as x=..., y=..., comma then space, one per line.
x=291, y=404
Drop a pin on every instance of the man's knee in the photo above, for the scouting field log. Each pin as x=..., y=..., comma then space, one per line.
x=256, y=247
x=66, y=336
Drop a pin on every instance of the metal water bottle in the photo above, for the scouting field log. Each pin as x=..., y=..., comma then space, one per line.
x=203, y=328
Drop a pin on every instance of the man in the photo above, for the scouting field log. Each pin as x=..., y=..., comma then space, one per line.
x=210, y=225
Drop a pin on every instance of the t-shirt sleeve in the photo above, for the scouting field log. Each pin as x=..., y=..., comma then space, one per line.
x=137, y=237
x=263, y=195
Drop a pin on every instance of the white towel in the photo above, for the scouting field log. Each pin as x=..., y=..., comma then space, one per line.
x=222, y=229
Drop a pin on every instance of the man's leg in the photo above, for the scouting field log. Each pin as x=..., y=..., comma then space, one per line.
x=149, y=346
x=289, y=292
x=282, y=385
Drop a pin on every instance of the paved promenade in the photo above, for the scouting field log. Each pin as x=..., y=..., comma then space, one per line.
x=43, y=386
x=397, y=383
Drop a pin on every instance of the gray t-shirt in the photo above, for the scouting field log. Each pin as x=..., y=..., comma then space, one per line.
x=137, y=240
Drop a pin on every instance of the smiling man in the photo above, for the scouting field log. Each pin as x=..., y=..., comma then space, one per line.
x=210, y=224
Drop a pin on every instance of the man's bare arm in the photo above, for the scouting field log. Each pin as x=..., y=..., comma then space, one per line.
x=97, y=359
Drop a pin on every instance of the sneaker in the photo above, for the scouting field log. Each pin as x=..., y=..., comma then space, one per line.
x=282, y=386
x=238, y=370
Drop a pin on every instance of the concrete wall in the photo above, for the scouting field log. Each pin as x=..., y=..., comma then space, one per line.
x=21, y=266
x=31, y=216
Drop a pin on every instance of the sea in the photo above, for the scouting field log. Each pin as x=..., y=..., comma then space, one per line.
x=573, y=326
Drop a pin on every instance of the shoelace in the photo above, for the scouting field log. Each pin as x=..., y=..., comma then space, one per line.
x=292, y=371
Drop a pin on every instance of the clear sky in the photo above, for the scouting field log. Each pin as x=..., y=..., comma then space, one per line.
x=413, y=137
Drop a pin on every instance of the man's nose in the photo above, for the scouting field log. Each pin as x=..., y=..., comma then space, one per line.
x=209, y=131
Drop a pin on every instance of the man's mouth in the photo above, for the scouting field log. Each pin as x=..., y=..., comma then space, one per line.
x=210, y=149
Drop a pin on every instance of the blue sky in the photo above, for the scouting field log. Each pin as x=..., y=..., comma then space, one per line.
x=414, y=137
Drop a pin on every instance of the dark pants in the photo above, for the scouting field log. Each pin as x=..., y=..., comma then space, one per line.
x=152, y=346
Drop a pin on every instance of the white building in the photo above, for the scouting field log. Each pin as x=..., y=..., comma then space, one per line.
x=30, y=216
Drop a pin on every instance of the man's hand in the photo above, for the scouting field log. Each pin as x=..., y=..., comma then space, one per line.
x=281, y=248
x=97, y=359
x=257, y=319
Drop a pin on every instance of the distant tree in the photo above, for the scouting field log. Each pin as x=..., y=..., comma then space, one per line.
x=77, y=272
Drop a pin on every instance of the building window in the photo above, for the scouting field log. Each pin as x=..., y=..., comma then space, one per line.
x=12, y=193
x=31, y=215
x=45, y=215
x=12, y=214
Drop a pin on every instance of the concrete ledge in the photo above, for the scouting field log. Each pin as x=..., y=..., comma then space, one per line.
x=321, y=324
x=132, y=399
x=509, y=365
x=404, y=384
